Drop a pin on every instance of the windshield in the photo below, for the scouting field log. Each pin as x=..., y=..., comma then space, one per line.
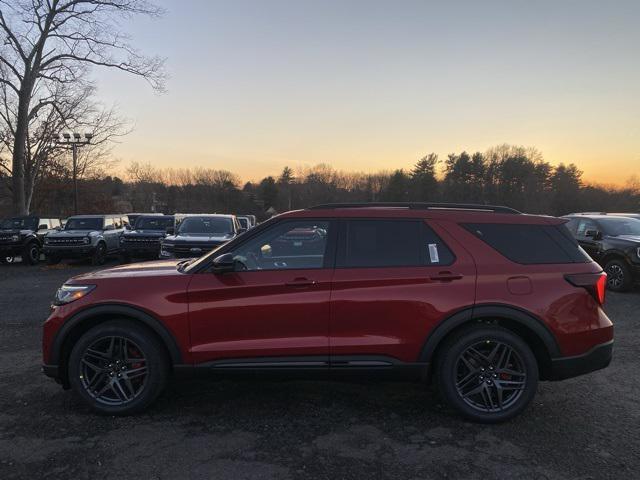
x=153, y=223
x=620, y=226
x=19, y=224
x=90, y=223
x=211, y=225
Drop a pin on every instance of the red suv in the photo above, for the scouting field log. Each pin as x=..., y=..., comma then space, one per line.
x=483, y=300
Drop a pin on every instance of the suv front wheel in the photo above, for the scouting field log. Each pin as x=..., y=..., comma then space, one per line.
x=118, y=368
x=100, y=255
x=487, y=373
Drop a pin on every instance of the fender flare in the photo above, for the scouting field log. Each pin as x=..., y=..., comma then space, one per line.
x=489, y=311
x=114, y=309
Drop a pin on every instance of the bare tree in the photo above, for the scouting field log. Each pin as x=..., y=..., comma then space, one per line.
x=71, y=108
x=50, y=44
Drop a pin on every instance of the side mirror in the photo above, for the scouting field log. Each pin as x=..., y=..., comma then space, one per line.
x=43, y=226
x=109, y=227
x=224, y=263
x=171, y=231
x=595, y=234
x=128, y=227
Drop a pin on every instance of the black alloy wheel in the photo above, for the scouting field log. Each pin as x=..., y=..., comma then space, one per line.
x=487, y=373
x=490, y=376
x=100, y=255
x=118, y=367
x=31, y=254
x=114, y=370
x=618, y=275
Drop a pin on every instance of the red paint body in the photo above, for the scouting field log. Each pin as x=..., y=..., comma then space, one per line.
x=389, y=312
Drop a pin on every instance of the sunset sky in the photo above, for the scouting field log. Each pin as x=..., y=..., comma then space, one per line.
x=368, y=85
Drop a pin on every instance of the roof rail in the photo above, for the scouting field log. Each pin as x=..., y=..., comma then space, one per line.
x=419, y=206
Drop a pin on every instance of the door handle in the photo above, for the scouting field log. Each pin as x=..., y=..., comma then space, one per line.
x=446, y=277
x=300, y=282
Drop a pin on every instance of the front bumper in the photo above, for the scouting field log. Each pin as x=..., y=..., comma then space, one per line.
x=10, y=250
x=79, y=251
x=142, y=251
x=597, y=358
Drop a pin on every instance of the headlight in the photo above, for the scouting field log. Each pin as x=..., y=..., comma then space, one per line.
x=15, y=238
x=86, y=240
x=70, y=293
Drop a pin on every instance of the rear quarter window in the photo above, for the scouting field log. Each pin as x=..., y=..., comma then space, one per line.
x=530, y=244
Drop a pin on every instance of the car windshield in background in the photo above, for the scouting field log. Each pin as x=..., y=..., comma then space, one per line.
x=84, y=224
x=220, y=226
x=154, y=223
x=620, y=226
x=19, y=224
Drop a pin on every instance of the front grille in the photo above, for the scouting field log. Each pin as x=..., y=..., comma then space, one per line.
x=6, y=239
x=66, y=241
x=185, y=250
x=141, y=240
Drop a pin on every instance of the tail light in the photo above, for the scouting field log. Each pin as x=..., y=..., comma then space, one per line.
x=594, y=283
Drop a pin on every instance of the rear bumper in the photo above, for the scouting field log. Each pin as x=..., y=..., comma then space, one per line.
x=597, y=358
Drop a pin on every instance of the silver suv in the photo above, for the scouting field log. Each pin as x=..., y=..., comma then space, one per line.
x=86, y=236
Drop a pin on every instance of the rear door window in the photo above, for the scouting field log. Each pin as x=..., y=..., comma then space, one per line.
x=585, y=224
x=530, y=244
x=391, y=243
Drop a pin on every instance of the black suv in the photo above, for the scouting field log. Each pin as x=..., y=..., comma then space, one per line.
x=86, y=236
x=144, y=240
x=196, y=235
x=614, y=242
x=23, y=236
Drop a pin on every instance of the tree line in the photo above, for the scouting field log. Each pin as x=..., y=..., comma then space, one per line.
x=504, y=175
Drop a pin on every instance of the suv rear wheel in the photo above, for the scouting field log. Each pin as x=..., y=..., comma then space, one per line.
x=118, y=368
x=487, y=373
x=618, y=275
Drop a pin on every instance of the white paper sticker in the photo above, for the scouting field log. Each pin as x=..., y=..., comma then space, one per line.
x=433, y=253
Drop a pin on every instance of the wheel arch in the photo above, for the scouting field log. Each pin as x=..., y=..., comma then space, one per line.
x=613, y=255
x=526, y=325
x=84, y=320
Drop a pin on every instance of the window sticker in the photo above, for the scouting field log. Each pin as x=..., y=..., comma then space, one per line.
x=433, y=253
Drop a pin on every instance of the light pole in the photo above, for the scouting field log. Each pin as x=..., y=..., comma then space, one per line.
x=75, y=140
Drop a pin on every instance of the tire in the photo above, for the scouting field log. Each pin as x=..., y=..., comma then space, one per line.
x=53, y=260
x=100, y=380
x=100, y=255
x=470, y=382
x=31, y=254
x=619, y=278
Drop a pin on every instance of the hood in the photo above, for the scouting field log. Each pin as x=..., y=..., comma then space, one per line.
x=73, y=233
x=146, y=233
x=629, y=238
x=143, y=269
x=200, y=237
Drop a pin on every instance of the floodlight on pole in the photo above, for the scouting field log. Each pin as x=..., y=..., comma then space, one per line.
x=75, y=140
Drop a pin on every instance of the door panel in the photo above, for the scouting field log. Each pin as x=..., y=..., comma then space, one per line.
x=256, y=314
x=390, y=311
x=276, y=303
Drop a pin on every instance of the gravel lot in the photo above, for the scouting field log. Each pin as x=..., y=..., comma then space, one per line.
x=582, y=428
